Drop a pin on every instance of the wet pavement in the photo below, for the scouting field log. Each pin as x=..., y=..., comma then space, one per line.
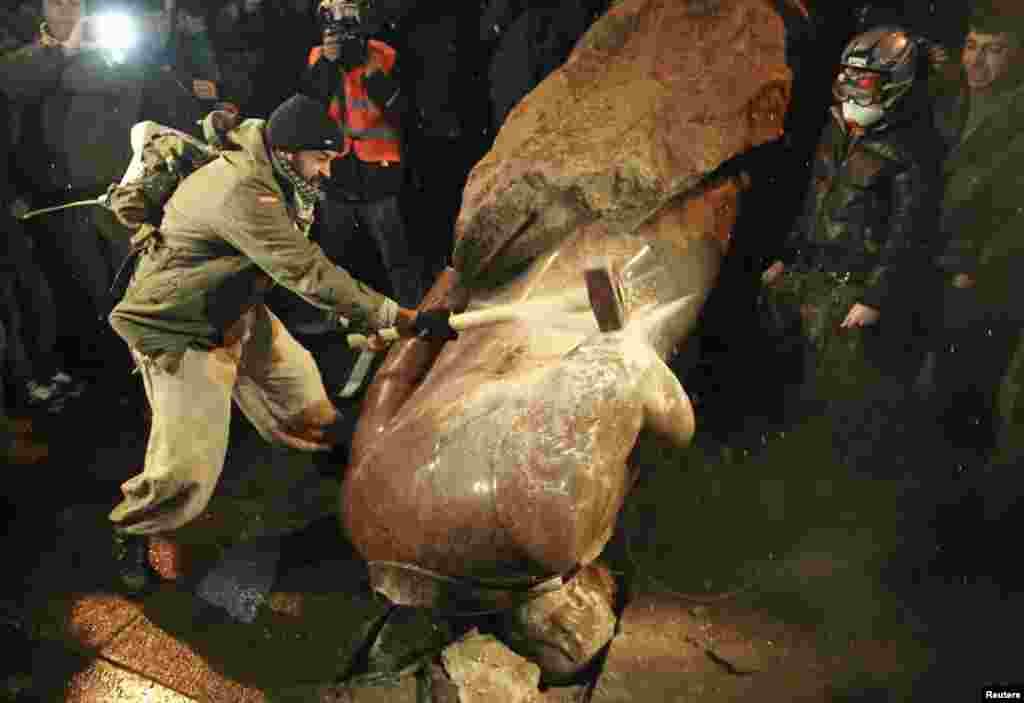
x=828, y=603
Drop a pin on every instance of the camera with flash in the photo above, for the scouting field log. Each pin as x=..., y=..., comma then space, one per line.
x=117, y=33
x=123, y=27
x=341, y=17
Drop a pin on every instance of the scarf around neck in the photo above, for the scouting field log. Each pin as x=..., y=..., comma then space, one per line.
x=306, y=194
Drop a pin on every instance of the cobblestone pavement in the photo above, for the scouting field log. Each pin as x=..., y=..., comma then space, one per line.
x=823, y=618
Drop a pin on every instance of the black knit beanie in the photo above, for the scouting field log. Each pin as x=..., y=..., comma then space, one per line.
x=301, y=124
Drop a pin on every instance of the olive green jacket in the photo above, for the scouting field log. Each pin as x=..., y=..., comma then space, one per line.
x=983, y=200
x=229, y=232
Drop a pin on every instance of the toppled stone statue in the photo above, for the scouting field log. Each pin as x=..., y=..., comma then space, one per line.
x=487, y=473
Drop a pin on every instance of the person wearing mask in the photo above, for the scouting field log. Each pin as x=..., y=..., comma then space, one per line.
x=195, y=320
x=356, y=79
x=852, y=265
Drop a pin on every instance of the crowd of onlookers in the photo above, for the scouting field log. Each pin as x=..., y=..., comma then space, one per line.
x=919, y=202
x=72, y=86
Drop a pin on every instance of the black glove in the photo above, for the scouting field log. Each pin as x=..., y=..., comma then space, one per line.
x=435, y=324
x=381, y=88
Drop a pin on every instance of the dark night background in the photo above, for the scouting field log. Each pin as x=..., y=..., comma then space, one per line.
x=461, y=79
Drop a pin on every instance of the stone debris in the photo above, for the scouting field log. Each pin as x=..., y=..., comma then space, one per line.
x=565, y=629
x=485, y=670
x=408, y=638
x=241, y=582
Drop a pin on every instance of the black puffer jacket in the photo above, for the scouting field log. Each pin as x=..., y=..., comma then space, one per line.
x=872, y=205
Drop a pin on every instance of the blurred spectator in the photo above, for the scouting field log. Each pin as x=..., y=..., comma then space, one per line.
x=977, y=371
x=356, y=78
x=531, y=40
x=979, y=354
x=445, y=72
x=16, y=443
x=19, y=24
x=850, y=277
x=27, y=309
x=78, y=98
x=27, y=303
x=259, y=71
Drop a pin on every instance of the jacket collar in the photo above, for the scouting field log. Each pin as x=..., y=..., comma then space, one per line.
x=1001, y=102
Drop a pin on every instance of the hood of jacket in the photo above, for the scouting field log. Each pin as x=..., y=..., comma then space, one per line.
x=246, y=147
x=246, y=142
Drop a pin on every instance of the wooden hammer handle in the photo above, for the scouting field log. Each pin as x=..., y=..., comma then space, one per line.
x=573, y=300
x=465, y=321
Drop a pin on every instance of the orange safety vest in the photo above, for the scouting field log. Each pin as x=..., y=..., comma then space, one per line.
x=364, y=126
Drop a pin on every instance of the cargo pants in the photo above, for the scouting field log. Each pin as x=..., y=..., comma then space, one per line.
x=275, y=383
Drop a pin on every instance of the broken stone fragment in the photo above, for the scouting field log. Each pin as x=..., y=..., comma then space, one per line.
x=408, y=638
x=563, y=630
x=484, y=670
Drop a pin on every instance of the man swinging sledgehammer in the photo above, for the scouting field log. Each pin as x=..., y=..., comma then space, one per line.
x=194, y=318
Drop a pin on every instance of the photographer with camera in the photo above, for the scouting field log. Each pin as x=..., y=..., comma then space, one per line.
x=356, y=79
x=77, y=89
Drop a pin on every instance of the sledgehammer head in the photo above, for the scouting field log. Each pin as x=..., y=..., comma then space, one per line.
x=604, y=290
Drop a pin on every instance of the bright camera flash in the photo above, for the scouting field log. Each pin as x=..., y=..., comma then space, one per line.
x=116, y=31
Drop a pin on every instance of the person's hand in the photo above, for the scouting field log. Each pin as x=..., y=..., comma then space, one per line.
x=435, y=324
x=228, y=107
x=772, y=273
x=19, y=206
x=376, y=343
x=331, y=46
x=963, y=280
x=860, y=316
x=405, y=323
x=204, y=90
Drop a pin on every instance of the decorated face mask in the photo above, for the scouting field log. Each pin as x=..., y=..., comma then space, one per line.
x=859, y=91
x=862, y=115
x=876, y=71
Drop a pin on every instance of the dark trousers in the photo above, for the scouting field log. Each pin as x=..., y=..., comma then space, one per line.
x=80, y=250
x=28, y=309
x=343, y=221
x=973, y=351
x=6, y=431
x=76, y=244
